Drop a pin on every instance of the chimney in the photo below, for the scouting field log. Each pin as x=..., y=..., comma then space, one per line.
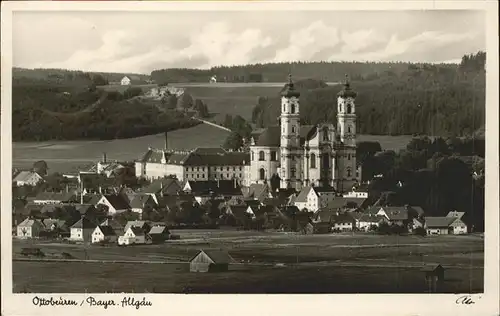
x=100, y=190
x=235, y=183
x=217, y=182
x=81, y=195
x=67, y=188
x=104, y=160
x=166, y=140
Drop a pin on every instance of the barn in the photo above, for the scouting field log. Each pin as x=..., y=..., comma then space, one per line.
x=210, y=261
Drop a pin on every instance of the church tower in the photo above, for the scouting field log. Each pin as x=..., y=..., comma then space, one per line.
x=290, y=154
x=346, y=129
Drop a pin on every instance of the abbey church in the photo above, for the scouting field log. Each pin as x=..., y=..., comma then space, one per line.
x=321, y=155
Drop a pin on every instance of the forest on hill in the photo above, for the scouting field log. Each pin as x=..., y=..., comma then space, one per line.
x=69, y=111
x=278, y=72
x=422, y=99
x=70, y=76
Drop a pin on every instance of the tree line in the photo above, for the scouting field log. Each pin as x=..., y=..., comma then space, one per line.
x=278, y=72
x=439, y=175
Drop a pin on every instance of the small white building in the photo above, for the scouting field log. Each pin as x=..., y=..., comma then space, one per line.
x=29, y=228
x=213, y=79
x=133, y=236
x=82, y=230
x=125, y=81
x=314, y=198
x=104, y=234
x=367, y=220
x=445, y=226
x=30, y=178
x=358, y=191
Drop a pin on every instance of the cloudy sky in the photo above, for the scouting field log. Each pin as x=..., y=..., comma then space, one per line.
x=141, y=42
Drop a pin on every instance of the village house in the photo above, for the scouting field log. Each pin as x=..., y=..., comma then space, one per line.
x=55, y=227
x=163, y=186
x=142, y=202
x=313, y=198
x=158, y=234
x=342, y=222
x=30, y=228
x=133, y=236
x=82, y=230
x=206, y=190
x=132, y=80
x=358, y=191
x=399, y=215
x=115, y=203
x=210, y=261
x=55, y=198
x=144, y=225
x=445, y=226
x=368, y=220
x=104, y=234
x=257, y=191
x=29, y=178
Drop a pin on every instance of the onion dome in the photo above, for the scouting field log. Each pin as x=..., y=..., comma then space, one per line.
x=347, y=92
x=289, y=89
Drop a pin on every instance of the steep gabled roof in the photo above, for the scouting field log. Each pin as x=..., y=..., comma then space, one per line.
x=29, y=222
x=217, y=256
x=164, y=186
x=439, y=222
x=56, y=196
x=117, y=201
x=302, y=197
x=84, y=223
x=140, y=200
x=137, y=230
x=24, y=176
x=158, y=230
x=107, y=230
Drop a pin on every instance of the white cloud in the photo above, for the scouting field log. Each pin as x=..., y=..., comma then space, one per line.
x=101, y=43
x=304, y=43
x=214, y=42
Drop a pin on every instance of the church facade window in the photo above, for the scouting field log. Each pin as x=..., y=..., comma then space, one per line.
x=261, y=155
x=349, y=108
x=262, y=174
x=293, y=109
x=273, y=155
x=313, y=161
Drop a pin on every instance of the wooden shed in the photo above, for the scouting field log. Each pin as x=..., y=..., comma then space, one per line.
x=434, y=276
x=210, y=261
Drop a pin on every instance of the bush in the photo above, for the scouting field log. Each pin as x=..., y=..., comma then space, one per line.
x=420, y=231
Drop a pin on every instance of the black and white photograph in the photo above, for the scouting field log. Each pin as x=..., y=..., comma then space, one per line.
x=249, y=148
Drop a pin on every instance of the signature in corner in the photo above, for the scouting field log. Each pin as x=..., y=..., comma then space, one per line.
x=465, y=300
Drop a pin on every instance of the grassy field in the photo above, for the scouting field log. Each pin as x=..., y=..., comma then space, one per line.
x=342, y=263
x=233, y=100
x=66, y=156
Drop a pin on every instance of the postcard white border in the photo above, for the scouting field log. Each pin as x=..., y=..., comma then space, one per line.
x=344, y=304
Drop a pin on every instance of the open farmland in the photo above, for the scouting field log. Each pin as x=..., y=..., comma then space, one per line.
x=66, y=156
x=233, y=99
x=358, y=263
